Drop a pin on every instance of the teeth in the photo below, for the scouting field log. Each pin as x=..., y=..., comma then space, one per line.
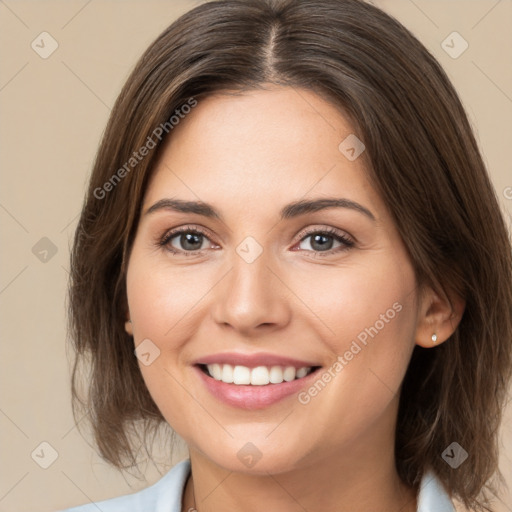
x=216, y=371
x=289, y=373
x=227, y=373
x=259, y=376
x=276, y=375
x=302, y=372
x=241, y=375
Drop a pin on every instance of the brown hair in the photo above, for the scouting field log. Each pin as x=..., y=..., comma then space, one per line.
x=422, y=158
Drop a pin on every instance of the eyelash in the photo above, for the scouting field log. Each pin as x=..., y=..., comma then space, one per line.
x=331, y=232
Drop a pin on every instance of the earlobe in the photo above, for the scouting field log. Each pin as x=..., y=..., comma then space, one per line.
x=128, y=327
x=438, y=318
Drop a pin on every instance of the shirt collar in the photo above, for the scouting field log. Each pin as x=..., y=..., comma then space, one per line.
x=432, y=495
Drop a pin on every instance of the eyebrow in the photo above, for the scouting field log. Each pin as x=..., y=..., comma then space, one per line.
x=289, y=211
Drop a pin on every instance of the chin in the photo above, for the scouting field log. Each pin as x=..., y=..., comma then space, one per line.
x=252, y=459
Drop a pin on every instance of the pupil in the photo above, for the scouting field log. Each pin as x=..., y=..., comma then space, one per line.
x=191, y=239
x=316, y=239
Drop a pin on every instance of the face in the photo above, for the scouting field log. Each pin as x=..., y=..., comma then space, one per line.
x=269, y=327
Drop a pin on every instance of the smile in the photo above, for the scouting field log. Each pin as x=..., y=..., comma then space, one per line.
x=254, y=381
x=258, y=376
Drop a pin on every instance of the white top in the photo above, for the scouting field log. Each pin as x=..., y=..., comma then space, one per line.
x=165, y=495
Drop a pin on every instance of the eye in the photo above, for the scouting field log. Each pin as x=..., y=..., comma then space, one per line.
x=191, y=241
x=185, y=240
x=323, y=240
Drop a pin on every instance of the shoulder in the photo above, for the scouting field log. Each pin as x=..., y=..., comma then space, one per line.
x=432, y=495
x=163, y=496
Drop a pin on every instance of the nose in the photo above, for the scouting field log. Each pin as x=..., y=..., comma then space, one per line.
x=252, y=298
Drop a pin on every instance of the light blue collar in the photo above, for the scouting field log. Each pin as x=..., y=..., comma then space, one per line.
x=166, y=494
x=432, y=496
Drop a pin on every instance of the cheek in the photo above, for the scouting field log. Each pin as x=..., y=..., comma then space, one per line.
x=164, y=303
x=161, y=303
x=162, y=300
x=360, y=301
x=365, y=315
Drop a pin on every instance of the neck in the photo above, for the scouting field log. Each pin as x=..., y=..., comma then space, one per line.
x=329, y=486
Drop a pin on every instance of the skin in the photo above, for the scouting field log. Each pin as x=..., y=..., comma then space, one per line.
x=248, y=155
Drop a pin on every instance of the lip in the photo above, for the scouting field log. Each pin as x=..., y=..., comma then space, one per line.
x=253, y=397
x=254, y=360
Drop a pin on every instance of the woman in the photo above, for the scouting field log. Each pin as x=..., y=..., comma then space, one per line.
x=291, y=252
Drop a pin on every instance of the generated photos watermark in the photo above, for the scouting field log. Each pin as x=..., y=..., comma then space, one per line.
x=137, y=156
x=355, y=348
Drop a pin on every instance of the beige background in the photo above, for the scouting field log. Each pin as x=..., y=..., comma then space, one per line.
x=53, y=113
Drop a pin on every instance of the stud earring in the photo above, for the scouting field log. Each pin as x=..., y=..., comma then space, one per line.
x=434, y=338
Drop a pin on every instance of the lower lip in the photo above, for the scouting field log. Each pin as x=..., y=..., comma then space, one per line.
x=253, y=397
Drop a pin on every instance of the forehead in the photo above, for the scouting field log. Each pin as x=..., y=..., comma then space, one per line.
x=258, y=147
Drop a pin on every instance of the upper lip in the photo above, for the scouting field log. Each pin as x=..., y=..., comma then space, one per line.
x=253, y=360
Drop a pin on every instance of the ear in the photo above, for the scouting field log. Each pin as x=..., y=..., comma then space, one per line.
x=438, y=317
x=128, y=327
